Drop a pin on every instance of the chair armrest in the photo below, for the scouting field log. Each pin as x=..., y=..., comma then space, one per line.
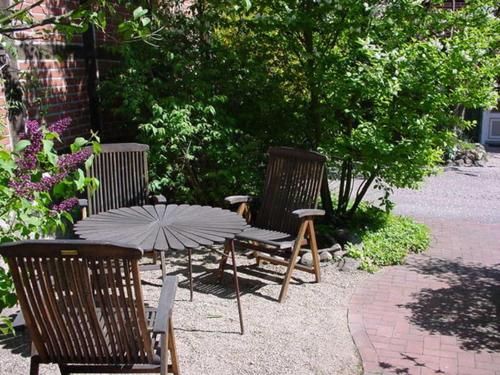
x=83, y=202
x=234, y=199
x=84, y=205
x=158, y=199
x=165, y=305
x=308, y=212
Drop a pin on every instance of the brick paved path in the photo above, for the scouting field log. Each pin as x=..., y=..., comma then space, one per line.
x=439, y=313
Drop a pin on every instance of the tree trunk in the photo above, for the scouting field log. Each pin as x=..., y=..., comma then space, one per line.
x=314, y=118
x=360, y=194
x=326, y=197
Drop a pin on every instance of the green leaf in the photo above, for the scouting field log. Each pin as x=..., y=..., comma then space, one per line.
x=78, y=143
x=247, y=4
x=96, y=147
x=139, y=12
x=21, y=145
x=52, y=158
x=48, y=145
x=60, y=189
x=80, y=181
x=89, y=161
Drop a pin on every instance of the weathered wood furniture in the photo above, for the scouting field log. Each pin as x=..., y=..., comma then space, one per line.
x=285, y=220
x=83, y=306
x=122, y=171
x=166, y=227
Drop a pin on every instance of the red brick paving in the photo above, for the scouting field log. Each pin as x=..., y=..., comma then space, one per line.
x=439, y=313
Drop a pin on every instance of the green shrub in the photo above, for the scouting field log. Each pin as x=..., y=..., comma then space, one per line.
x=38, y=191
x=192, y=157
x=387, y=238
x=378, y=86
x=7, y=299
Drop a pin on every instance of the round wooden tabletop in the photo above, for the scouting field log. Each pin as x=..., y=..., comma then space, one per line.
x=163, y=227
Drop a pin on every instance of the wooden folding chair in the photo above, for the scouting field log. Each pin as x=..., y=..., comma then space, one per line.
x=122, y=171
x=285, y=220
x=83, y=307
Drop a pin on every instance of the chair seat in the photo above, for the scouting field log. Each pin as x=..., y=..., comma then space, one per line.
x=269, y=237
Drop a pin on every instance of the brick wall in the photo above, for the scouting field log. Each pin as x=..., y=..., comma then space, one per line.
x=4, y=130
x=53, y=76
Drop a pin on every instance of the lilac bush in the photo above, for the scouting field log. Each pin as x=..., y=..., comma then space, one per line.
x=38, y=190
x=44, y=180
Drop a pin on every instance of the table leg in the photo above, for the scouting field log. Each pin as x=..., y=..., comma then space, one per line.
x=190, y=272
x=163, y=268
x=236, y=284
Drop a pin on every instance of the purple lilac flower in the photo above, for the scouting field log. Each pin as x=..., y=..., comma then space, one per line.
x=60, y=126
x=32, y=126
x=71, y=161
x=48, y=182
x=34, y=134
x=27, y=162
x=24, y=187
x=65, y=205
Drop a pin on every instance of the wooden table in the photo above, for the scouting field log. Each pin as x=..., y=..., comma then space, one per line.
x=167, y=227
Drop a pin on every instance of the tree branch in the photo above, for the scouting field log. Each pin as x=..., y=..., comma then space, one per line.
x=20, y=12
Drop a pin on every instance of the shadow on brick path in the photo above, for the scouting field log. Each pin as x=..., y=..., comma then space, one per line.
x=467, y=308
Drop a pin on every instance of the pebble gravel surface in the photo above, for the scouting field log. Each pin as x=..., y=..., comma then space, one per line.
x=460, y=193
x=307, y=334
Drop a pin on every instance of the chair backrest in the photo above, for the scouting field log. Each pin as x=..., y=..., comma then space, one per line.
x=81, y=300
x=122, y=171
x=293, y=181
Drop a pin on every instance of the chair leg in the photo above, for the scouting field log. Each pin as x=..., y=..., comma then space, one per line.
x=314, y=251
x=164, y=353
x=190, y=273
x=223, y=261
x=35, y=365
x=162, y=265
x=63, y=370
x=257, y=258
x=173, y=348
x=236, y=285
x=293, y=259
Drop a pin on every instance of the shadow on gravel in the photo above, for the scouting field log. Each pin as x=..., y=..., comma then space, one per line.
x=19, y=343
x=468, y=309
x=209, y=283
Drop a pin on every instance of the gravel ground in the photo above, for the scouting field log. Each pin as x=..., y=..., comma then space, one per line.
x=307, y=334
x=461, y=193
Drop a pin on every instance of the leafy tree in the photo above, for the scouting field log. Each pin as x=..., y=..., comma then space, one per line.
x=379, y=86
x=172, y=92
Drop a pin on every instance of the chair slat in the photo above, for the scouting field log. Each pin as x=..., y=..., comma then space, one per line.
x=52, y=304
x=63, y=308
x=293, y=179
x=122, y=172
x=82, y=304
x=83, y=314
x=30, y=279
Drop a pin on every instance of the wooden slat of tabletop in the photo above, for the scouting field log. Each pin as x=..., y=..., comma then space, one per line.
x=163, y=227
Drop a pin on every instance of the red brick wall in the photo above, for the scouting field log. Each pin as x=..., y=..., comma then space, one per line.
x=59, y=91
x=52, y=74
x=5, y=140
